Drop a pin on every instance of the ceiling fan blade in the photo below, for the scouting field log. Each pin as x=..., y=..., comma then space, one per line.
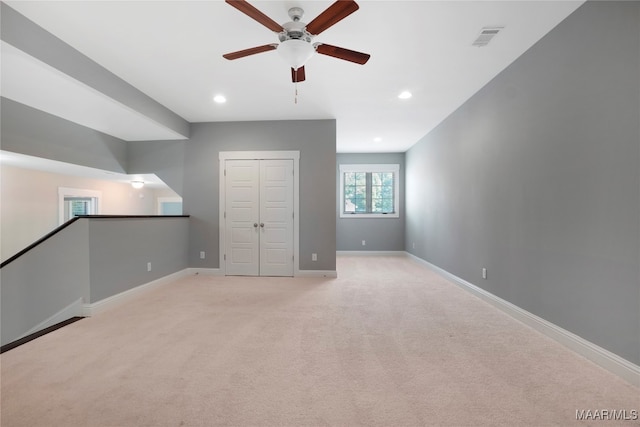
x=250, y=51
x=249, y=10
x=298, y=75
x=333, y=14
x=342, y=53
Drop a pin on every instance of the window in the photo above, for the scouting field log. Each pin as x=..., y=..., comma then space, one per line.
x=369, y=191
x=169, y=205
x=73, y=202
x=75, y=206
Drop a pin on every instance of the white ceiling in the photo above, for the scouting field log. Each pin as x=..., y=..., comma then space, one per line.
x=172, y=51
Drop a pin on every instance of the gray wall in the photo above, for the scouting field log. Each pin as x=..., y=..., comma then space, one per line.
x=163, y=158
x=91, y=259
x=32, y=132
x=121, y=248
x=537, y=178
x=44, y=281
x=316, y=141
x=380, y=234
x=29, y=131
x=190, y=168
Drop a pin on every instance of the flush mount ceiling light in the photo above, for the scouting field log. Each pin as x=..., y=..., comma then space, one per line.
x=405, y=95
x=137, y=184
x=377, y=139
x=219, y=99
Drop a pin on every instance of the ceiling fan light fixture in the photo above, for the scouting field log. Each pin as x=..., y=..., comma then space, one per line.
x=295, y=37
x=296, y=52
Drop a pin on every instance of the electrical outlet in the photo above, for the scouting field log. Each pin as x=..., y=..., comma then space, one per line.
x=364, y=243
x=202, y=254
x=314, y=257
x=484, y=273
x=148, y=266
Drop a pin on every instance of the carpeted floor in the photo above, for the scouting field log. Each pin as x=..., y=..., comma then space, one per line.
x=388, y=343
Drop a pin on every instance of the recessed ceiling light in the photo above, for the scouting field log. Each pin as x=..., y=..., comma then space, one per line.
x=405, y=95
x=220, y=99
x=377, y=139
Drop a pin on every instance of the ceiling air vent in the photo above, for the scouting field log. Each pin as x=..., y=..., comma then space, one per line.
x=485, y=36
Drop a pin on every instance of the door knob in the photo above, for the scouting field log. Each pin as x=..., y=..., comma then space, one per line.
x=255, y=224
x=262, y=224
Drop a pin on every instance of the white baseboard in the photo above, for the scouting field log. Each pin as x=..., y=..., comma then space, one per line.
x=92, y=309
x=299, y=273
x=316, y=273
x=371, y=253
x=205, y=271
x=600, y=356
x=75, y=309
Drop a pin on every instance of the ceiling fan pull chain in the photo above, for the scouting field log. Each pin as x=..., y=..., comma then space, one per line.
x=295, y=98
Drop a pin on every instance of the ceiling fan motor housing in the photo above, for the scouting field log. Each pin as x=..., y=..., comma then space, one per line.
x=295, y=30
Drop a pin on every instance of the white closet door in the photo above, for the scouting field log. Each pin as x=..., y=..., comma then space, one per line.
x=242, y=217
x=276, y=217
x=259, y=217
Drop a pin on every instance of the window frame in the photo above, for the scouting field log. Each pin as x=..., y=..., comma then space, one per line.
x=371, y=168
x=77, y=192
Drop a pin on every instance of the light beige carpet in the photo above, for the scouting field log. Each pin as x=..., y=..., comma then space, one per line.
x=388, y=343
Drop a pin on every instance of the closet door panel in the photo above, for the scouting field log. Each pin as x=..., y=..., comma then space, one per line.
x=243, y=213
x=276, y=217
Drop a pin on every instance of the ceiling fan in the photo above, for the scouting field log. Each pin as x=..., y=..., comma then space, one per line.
x=296, y=37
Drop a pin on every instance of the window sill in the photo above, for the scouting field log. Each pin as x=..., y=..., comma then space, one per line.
x=368, y=216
